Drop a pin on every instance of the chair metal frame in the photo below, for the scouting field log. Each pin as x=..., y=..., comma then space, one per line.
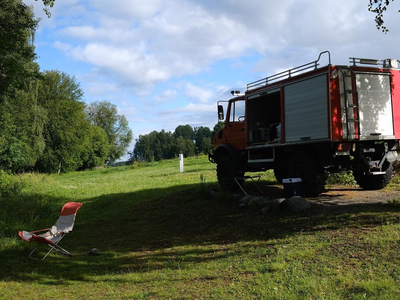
x=244, y=178
x=53, y=246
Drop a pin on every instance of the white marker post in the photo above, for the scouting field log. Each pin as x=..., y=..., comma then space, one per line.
x=181, y=162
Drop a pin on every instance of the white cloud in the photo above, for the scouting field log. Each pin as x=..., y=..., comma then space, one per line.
x=130, y=113
x=201, y=94
x=175, y=40
x=138, y=9
x=166, y=95
x=62, y=46
x=193, y=107
x=146, y=42
x=132, y=64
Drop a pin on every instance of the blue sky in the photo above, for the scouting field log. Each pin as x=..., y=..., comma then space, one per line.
x=165, y=63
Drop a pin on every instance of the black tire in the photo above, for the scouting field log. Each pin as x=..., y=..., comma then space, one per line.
x=280, y=171
x=303, y=165
x=226, y=174
x=374, y=182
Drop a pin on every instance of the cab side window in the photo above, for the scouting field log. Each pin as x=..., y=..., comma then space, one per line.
x=237, y=111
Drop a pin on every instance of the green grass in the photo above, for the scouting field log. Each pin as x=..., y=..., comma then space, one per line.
x=162, y=236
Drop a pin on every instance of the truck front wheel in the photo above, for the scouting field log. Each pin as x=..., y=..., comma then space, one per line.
x=226, y=174
x=374, y=182
x=303, y=165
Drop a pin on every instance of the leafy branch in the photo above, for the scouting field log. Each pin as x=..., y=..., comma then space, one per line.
x=47, y=5
x=379, y=7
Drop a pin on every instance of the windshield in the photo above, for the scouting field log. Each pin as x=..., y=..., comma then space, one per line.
x=237, y=111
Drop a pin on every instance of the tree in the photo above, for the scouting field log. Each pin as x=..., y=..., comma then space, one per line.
x=17, y=27
x=67, y=129
x=144, y=148
x=96, y=148
x=207, y=145
x=185, y=147
x=105, y=115
x=185, y=131
x=21, y=119
x=199, y=134
x=167, y=144
x=156, y=146
x=139, y=151
x=379, y=7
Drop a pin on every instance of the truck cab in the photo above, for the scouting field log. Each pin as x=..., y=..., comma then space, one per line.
x=234, y=131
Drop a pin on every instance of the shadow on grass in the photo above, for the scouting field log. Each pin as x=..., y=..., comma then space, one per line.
x=172, y=228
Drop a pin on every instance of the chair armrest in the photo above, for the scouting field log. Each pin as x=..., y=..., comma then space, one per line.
x=40, y=230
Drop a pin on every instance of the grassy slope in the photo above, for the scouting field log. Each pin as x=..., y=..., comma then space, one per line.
x=161, y=236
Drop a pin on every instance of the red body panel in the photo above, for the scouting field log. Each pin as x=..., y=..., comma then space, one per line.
x=235, y=135
x=336, y=113
x=396, y=102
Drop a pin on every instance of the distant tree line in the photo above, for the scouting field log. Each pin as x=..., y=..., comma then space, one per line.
x=45, y=125
x=185, y=140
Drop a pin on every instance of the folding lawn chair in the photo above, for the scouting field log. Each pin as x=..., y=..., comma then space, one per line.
x=53, y=235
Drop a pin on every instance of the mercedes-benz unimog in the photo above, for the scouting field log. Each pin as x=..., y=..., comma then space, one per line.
x=313, y=120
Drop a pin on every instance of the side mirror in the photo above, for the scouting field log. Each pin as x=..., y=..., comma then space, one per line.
x=220, y=112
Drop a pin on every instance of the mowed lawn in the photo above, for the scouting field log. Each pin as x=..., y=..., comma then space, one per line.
x=161, y=235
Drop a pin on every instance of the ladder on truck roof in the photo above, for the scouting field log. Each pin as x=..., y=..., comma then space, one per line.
x=288, y=73
x=351, y=103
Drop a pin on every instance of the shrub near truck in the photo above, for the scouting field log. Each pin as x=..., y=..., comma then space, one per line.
x=311, y=120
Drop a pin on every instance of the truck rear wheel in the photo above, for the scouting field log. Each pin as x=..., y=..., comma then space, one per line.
x=226, y=174
x=374, y=182
x=303, y=165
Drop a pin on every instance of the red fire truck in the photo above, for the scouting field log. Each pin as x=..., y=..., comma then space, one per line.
x=313, y=120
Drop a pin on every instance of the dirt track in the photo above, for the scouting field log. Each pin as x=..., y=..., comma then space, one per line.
x=347, y=195
x=353, y=195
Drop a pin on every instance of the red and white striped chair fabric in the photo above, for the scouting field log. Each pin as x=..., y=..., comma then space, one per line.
x=52, y=236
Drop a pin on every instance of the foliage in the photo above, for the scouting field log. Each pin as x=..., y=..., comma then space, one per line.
x=105, y=115
x=96, y=149
x=20, y=204
x=45, y=128
x=185, y=140
x=22, y=137
x=184, y=146
x=10, y=186
x=378, y=7
x=17, y=27
x=47, y=4
x=202, y=136
x=185, y=131
x=21, y=119
x=394, y=202
x=66, y=130
x=154, y=146
x=342, y=178
x=42, y=119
